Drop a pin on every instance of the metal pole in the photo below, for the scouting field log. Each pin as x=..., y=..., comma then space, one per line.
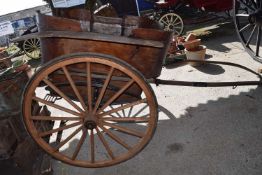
x=137, y=7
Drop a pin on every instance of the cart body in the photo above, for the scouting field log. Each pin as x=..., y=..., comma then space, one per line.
x=131, y=39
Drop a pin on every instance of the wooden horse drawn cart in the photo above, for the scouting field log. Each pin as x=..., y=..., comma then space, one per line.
x=95, y=81
x=92, y=86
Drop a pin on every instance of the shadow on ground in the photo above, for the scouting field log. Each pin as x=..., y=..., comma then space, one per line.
x=221, y=137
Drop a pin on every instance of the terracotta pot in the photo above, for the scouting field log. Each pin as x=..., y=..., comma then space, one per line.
x=21, y=68
x=191, y=45
x=190, y=37
x=20, y=65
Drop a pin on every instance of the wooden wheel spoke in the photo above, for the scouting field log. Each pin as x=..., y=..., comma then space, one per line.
x=117, y=114
x=107, y=147
x=29, y=50
x=26, y=44
x=89, y=86
x=69, y=138
x=107, y=82
x=123, y=107
x=56, y=106
x=130, y=111
x=115, y=138
x=38, y=43
x=167, y=19
x=80, y=144
x=163, y=21
x=246, y=5
x=35, y=41
x=29, y=43
x=71, y=81
x=46, y=133
x=123, y=111
x=120, y=92
x=251, y=36
x=177, y=23
x=49, y=118
x=140, y=111
x=102, y=93
x=92, y=147
x=174, y=20
x=59, y=92
x=125, y=130
x=258, y=41
x=244, y=28
x=128, y=119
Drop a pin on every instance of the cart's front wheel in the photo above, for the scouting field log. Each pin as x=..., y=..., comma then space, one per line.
x=172, y=22
x=104, y=111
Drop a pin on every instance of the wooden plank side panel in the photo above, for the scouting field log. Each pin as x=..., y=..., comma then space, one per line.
x=145, y=59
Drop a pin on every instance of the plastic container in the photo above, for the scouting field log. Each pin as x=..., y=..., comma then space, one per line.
x=198, y=53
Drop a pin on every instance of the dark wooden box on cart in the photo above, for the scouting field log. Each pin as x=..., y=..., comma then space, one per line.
x=136, y=40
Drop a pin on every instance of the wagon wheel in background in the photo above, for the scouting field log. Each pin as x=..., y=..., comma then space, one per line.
x=101, y=127
x=172, y=22
x=31, y=47
x=248, y=22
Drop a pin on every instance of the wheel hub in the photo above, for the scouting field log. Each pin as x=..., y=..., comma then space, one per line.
x=89, y=124
x=170, y=27
x=90, y=121
x=256, y=18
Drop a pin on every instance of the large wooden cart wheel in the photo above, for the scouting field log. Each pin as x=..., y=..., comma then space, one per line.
x=31, y=48
x=172, y=22
x=248, y=22
x=105, y=112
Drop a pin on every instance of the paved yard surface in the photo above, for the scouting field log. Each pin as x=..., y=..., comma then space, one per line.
x=201, y=131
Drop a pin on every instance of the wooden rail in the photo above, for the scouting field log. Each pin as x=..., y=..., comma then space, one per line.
x=92, y=36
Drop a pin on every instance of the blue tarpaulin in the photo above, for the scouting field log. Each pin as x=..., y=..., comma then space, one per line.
x=144, y=5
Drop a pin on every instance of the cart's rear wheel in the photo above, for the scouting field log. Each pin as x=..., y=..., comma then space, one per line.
x=172, y=22
x=31, y=48
x=248, y=22
x=94, y=125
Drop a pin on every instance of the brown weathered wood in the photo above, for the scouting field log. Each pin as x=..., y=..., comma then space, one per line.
x=122, y=108
x=72, y=83
x=116, y=138
x=92, y=36
x=57, y=106
x=92, y=64
x=137, y=49
x=125, y=130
